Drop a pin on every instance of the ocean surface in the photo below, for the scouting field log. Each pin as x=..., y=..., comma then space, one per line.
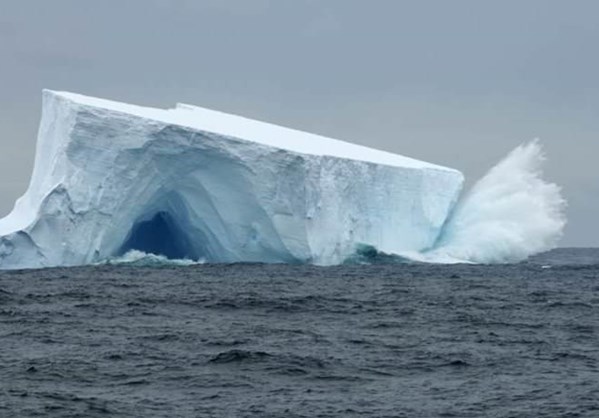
x=379, y=340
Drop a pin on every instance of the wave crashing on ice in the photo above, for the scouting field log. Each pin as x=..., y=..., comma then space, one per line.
x=508, y=215
x=137, y=258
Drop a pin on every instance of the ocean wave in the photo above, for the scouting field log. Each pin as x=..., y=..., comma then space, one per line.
x=137, y=258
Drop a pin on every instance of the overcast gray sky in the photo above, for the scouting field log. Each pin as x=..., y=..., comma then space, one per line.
x=458, y=82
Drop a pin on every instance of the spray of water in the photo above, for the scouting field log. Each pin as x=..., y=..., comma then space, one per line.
x=509, y=215
x=137, y=258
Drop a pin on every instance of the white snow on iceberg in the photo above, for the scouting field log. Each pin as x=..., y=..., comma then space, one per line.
x=191, y=183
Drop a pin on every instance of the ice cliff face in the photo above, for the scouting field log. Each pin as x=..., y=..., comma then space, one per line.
x=194, y=183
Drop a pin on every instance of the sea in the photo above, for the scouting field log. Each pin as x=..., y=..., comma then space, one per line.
x=378, y=338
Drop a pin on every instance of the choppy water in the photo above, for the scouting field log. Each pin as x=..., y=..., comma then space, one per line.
x=299, y=341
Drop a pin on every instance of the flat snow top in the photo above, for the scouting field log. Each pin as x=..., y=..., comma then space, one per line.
x=252, y=130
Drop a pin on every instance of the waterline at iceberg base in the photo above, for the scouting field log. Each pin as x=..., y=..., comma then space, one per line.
x=190, y=183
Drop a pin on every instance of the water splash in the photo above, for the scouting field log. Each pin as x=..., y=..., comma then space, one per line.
x=137, y=258
x=509, y=215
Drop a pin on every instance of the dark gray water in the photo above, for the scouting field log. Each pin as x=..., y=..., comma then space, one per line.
x=299, y=341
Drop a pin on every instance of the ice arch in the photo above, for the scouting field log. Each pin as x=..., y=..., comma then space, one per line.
x=163, y=227
x=167, y=225
x=160, y=235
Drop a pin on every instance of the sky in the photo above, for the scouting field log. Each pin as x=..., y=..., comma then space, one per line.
x=458, y=83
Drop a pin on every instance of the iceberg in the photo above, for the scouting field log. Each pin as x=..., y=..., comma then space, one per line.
x=190, y=183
